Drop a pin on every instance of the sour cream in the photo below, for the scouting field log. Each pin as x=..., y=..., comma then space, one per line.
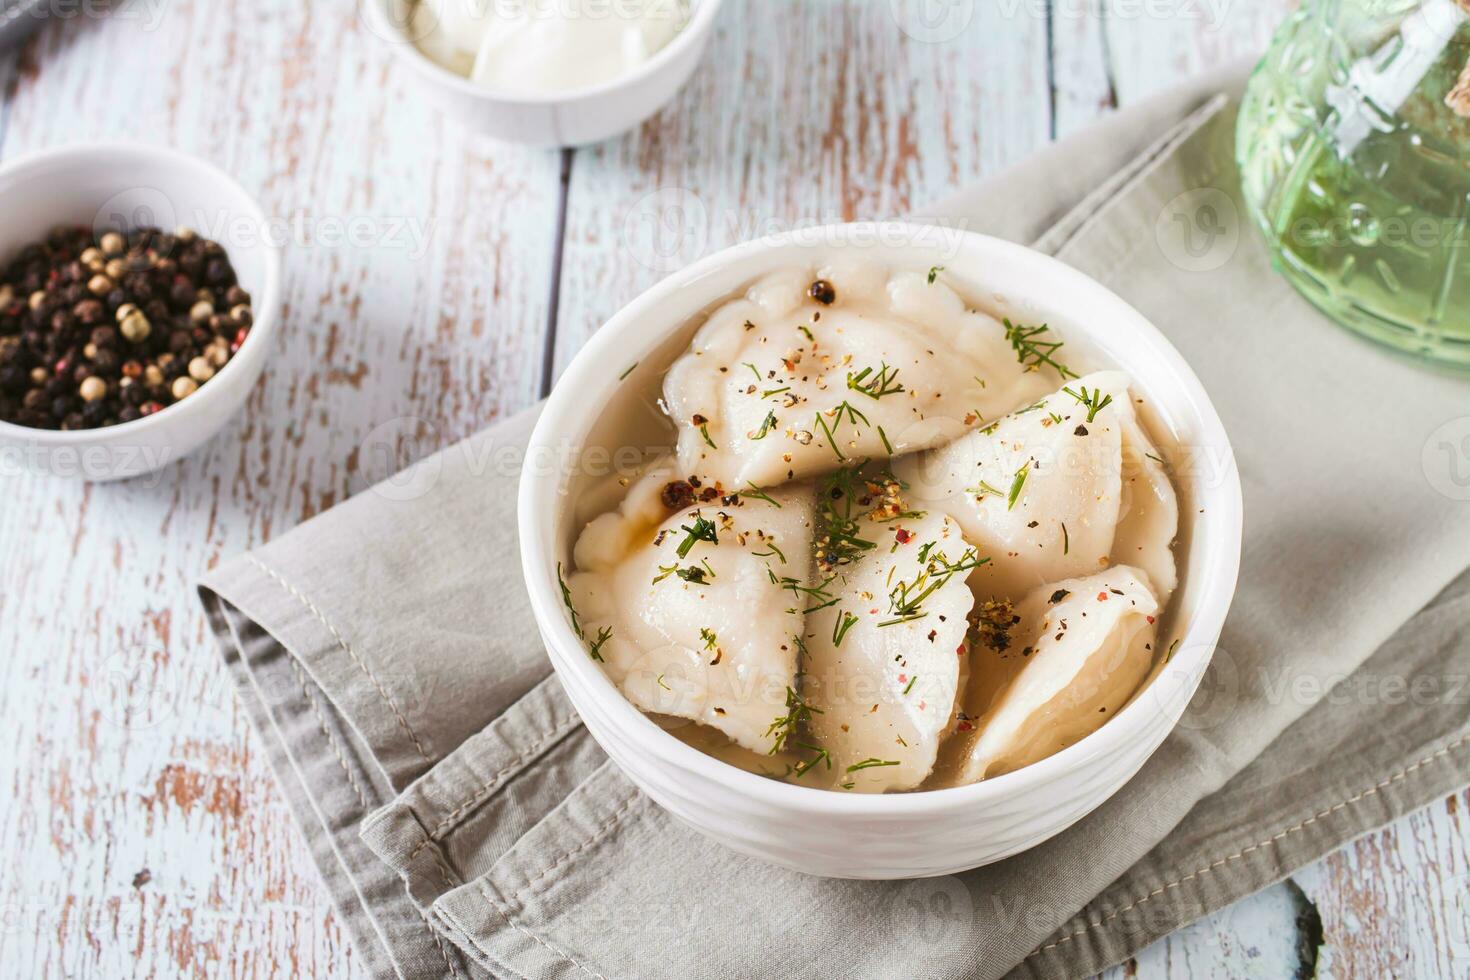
x=540, y=47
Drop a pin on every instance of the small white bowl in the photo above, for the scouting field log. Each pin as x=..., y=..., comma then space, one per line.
x=908, y=834
x=107, y=186
x=561, y=119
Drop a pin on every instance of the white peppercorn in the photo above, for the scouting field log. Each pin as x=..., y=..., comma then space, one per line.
x=200, y=369
x=183, y=387
x=135, y=327
x=92, y=389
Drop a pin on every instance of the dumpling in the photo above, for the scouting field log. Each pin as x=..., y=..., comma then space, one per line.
x=698, y=615
x=1076, y=651
x=1148, y=511
x=1038, y=492
x=815, y=368
x=884, y=652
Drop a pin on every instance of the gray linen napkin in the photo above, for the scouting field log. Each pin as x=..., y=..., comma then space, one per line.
x=464, y=821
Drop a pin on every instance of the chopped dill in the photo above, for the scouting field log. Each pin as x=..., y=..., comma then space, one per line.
x=766, y=426
x=566, y=598
x=754, y=370
x=603, y=635
x=774, y=391
x=631, y=368
x=1066, y=539
x=702, y=530
x=708, y=636
x=845, y=622
x=1016, y=485
x=798, y=713
x=1094, y=401
x=885, y=382
x=775, y=551
x=906, y=599
x=751, y=490
x=842, y=411
x=886, y=444
x=872, y=764
x=822, y=755
x=983, y=488
x=934, y=271
x=912, y=681
x=1033, y=350
x=694, y=574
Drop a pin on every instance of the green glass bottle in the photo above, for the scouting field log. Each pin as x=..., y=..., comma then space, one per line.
x=1356, y=166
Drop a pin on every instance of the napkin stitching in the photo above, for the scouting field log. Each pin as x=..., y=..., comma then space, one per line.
x=292, y=590
x=1209, y=868
x=489, y=786
x=452, y=923
x=495, y=904
x=321, y=721
x=617, y=818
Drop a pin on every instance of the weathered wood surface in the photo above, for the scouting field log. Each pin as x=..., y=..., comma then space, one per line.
x=140, y=832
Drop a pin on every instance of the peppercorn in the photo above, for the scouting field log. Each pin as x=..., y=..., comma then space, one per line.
x=92, y=389
x=135, y=327
x=822, y=291
x=99, y=331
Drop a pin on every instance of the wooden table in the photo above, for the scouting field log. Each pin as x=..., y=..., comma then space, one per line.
x=140, y=828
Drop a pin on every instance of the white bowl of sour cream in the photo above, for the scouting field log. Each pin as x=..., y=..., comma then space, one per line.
x=546, y=72
x=603, y=415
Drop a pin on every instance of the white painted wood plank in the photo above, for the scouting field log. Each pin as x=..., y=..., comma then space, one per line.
x=441, y=316
x=802, y=114
x=1156, y=43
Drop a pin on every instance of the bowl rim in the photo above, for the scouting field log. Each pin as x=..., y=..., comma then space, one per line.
x=578, y=389
x=700, y=19
x=268, y=299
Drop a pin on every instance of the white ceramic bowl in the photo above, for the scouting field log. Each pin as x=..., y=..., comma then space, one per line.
x=111, y=185
x=562, y=119
x=911, y=834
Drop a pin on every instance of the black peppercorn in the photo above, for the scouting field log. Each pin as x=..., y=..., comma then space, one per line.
x=821, y=290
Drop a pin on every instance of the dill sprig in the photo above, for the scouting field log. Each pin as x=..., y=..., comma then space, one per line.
x=704, y=431
x=906, y=599
x=702, y=530
x=697, y=574
x=885, y=382
x=1016, y=484
x=838, y=414
x=871, y=764
x=817, y=593
x=1094, y=401
x=751, y=490
x=566, y=598
x=839, y=506
x=1033, y=350
x=798, y=714
x=845, y=622
x=822, y=755
x=766, y=426
x=603, y=635
x=708, y=636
